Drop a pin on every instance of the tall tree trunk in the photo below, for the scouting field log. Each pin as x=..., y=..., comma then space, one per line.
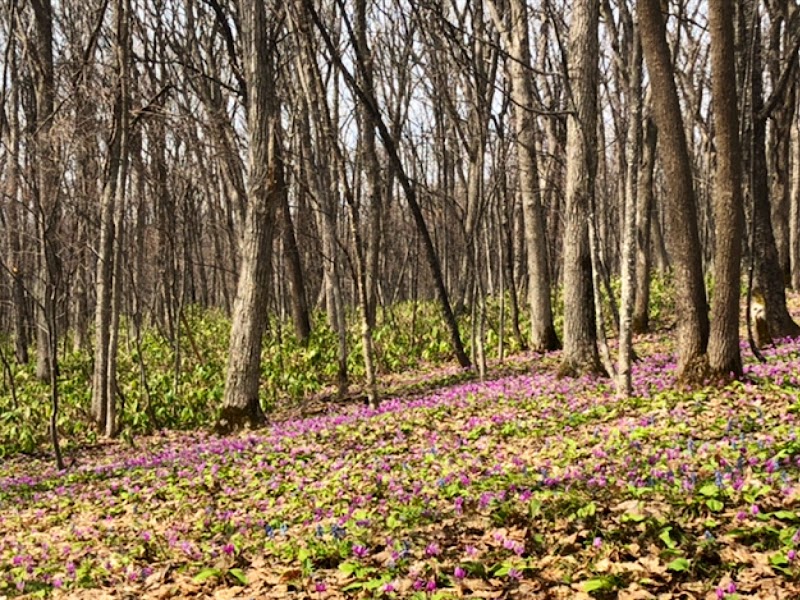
x=645, y=208
x=371, y=166
x=794, y=213
x=299, y=304
x=543, y=333
x=633, y=151
x=723, y=352
x=46, y=176
x=768, y=275
x=684, y=240
x=13, y=224
x=780, y=57
x=580, y=347
x=110, y=256
x=265, y=184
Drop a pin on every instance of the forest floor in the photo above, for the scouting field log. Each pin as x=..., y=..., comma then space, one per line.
x=522, y=486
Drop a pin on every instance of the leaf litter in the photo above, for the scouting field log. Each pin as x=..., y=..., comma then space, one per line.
x=526, y=486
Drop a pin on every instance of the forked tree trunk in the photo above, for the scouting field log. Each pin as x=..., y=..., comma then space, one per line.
x=240, y=406
x=109, y=257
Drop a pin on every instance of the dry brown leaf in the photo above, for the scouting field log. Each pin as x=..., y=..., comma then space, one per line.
x=634, y=592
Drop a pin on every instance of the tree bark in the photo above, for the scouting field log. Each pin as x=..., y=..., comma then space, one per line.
x=768, y=275
x=109, y=274
x=241, y=406
x=542, y=334
x=794, y=213
x=46, y=177
x=723, y=352
x=633, y=152
x=580, y=337
x=683, y=237
x=299, y=304
x=14, y=233
x=644, y=242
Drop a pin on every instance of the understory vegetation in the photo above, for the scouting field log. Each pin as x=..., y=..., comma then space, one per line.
x=159, y=391
x=521, y=486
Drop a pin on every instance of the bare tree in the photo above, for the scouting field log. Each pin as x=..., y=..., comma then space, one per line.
x=516, y=37
x=634, y=145
x=684, y=242
x=580, y=348
x=723, y=352
x=109, y=277
x=265, y=184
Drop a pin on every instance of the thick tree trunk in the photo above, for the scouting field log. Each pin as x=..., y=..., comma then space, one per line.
x=723, y=351
x=768, y=275
x=265, y=184
x=681, y=211
x=580, y=347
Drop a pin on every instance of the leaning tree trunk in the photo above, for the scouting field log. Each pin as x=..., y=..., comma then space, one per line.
x=580, y=345
x=408, y=186
x=684, y=240
x=240, y=405
x=723, y=353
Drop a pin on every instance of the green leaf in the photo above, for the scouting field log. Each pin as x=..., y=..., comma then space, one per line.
x=778, y=560
x=238, y=575
x=206, y=574
x=348, y=568
x=502, y=570
x=714, y=504
x=665, y=537
x=587, y=511
x=374, y=584
x=597, y=584
x=356, y=585
x=710, y=490
x=785, y=515
x=678, y=565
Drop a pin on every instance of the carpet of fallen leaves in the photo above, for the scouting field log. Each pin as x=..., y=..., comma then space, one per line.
x=526, y=486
